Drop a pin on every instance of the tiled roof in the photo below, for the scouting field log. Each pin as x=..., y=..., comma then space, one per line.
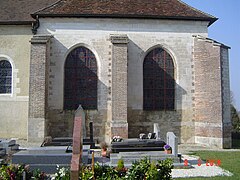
x=157, y=9
x=18, y=11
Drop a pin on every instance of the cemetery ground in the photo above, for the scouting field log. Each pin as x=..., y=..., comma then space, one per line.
x=230, y=161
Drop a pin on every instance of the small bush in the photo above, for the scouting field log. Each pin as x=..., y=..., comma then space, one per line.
x=16, y=172
x=144, y=169
x=165, y=168
x=140, y=170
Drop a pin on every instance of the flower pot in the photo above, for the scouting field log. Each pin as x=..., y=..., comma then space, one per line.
x=168, y=151
x=104, y=152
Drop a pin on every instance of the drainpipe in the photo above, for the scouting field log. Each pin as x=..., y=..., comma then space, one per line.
x=35, y=25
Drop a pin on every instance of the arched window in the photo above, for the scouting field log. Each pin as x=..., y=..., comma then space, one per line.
x=5, y=77
x=158, y=81
x=80, y=81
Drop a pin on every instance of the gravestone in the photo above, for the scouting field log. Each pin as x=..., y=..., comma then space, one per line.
x=77, y=144
x=81, y=112
x=172, y=141
x=8, y=145
x=156, y=130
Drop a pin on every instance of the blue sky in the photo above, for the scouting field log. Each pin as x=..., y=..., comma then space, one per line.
x=227, y=31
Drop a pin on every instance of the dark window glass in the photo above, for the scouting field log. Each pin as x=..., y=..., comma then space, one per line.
x=80, y=79
x=158, y=81
x=5, y=77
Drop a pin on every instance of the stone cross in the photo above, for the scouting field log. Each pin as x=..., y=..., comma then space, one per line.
x=172, y=141
x=77, y=144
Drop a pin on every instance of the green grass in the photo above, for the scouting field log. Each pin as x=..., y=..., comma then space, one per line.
x=229, y=161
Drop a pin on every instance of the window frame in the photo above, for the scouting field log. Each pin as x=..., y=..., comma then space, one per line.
x=90, y=69
x=11, y=77
x=153, y=93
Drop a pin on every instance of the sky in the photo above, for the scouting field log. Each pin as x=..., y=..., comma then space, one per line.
x=227, y=31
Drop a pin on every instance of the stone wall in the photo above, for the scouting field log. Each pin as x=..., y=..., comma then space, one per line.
x=208, y=101
x=15, y=47
x=144, y=35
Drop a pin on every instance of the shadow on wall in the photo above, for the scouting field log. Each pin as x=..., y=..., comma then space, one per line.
x=162, y=96
x=79, y=85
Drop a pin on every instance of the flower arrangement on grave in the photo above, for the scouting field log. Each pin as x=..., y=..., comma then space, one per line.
x=104, y=149
x=117, y=139
x=167, y=148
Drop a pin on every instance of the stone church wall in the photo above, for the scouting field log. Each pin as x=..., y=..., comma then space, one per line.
x=211, y=97
x=15, y=47
x=174, y=36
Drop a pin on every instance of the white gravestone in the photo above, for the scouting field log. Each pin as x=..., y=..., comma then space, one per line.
x=172, y=141
x=156, y=130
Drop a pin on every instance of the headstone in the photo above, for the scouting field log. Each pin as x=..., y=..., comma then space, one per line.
x=8, y=145
x=4, y=143
x=172, y=141
x=77, y=144
x=156, y=130
x=81, y=112
x=91, y=131
x=2, y=152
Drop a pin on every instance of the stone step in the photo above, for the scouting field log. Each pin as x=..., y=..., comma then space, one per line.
x=176, y=165
x=141, y=155
x=45, y=156
x=130, y=157
x=114, y=161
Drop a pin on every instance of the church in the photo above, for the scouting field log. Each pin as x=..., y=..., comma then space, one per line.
x=129, y=63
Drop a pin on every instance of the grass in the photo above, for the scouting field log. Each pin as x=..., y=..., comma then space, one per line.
x=229, y=161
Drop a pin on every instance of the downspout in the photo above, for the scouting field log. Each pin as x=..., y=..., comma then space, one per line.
x=35, y=25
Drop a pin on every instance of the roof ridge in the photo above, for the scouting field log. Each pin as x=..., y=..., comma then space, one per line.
x=207, y=14
x=42, y=9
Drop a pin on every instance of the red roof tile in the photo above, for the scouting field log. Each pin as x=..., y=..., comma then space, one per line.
x=157, y=9
x=18, y=11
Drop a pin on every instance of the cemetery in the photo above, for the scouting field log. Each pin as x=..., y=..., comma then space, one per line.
x=148, y=156
x=82, y=151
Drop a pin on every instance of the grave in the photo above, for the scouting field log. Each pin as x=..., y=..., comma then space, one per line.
x=152, y=147
x=54, y=152
x=150, y=142
x=47, y=158
x=7, y=146
x=134, y=144
x=67, y=141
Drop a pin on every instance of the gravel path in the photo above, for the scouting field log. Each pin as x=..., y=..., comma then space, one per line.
x=199, y=171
